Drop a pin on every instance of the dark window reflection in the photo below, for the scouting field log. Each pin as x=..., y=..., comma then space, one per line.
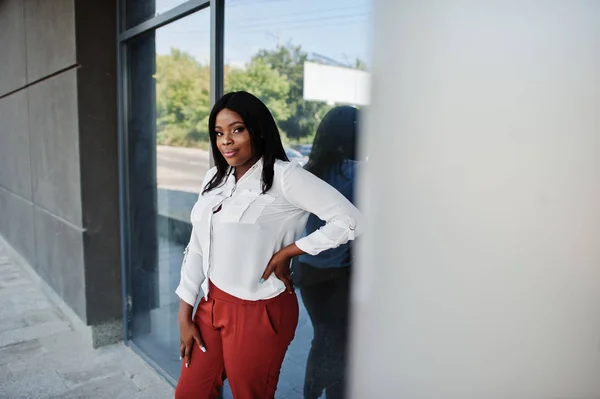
x=168, y=86
x=324, y=280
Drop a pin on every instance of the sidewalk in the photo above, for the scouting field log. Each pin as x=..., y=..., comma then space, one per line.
x=43, y=356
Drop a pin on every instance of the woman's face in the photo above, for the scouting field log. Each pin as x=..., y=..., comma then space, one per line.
x=233, y=140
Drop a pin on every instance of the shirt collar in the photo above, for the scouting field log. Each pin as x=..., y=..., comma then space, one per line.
x=250, y=174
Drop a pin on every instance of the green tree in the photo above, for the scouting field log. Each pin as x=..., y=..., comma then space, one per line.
x=304, y=116
x=260, y=79
x=182, y=100
x=275, y=76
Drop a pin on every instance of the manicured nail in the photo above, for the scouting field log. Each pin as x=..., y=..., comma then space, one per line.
x=203, y=349
x=186, y=365
x=262, y=280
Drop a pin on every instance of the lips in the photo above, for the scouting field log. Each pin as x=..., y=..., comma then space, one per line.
x=229, y=153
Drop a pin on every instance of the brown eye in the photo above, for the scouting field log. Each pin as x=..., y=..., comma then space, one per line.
x=239, y=129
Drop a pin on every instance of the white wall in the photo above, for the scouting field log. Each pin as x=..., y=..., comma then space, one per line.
x=480, y=274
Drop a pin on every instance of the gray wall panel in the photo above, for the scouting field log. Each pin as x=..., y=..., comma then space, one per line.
x=60, y=259
x=50, y=27
x=16, y=224
x=15, y=163
x=55, y=146
x=12, y=46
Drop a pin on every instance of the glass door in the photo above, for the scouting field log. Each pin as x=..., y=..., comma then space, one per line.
x=168, y=85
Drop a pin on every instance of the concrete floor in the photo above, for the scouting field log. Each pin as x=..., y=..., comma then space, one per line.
x=43, y=356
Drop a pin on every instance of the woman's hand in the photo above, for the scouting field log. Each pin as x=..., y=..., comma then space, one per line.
x=280, y=265
x=188, y=334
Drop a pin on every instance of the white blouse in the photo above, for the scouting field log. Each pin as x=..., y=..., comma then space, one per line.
x=233, y=246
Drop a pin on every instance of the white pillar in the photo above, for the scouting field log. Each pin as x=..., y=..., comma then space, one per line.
x=480, y=273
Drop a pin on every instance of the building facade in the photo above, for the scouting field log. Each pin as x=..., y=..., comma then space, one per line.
x=59, y=168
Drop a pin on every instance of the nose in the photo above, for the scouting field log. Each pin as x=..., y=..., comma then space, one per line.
x=227, y=139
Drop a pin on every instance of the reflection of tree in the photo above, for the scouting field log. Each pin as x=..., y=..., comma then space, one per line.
x=182, y=99
x=305, y=115
x=265, y=82
x=275, y=76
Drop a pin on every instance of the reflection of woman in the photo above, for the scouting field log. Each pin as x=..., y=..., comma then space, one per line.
x=246, y=224
x=325, y=278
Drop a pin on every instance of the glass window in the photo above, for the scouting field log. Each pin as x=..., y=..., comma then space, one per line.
x=168, y=107
x=304, y=58
x=138, y=11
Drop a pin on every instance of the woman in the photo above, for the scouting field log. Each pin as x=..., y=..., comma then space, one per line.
x=325, y=278
x=246, y=226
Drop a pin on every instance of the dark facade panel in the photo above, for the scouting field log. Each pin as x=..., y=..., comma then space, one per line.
x=98, y=156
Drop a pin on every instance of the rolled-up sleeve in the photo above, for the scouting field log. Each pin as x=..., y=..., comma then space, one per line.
x=343, y=222
x=192, y=273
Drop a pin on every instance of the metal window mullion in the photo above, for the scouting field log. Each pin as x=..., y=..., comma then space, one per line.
x=217, y=53
x=172, y=15
x=217, y=63
x=123, y=176
x=121, y=18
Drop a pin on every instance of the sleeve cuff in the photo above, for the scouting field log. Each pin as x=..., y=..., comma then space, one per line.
x=305, y=245
x=186, y=296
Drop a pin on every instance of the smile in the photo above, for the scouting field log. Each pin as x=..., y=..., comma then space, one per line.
x=229, y=153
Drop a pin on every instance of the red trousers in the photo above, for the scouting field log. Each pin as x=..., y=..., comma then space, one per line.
x=245, y=341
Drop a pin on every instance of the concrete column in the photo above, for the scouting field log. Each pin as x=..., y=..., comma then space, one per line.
x=479, y=276
x=95, y=25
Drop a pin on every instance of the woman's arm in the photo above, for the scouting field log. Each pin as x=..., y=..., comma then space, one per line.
x=192, y=272
x=192, y=275
x=280, y=265
x=343, y=221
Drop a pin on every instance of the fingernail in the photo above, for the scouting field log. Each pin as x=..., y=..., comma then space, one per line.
x=203, y=349
x=180, y=358
x=262, y=280
x=186, y=365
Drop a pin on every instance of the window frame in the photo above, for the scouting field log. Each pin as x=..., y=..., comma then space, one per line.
x=124, y=37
